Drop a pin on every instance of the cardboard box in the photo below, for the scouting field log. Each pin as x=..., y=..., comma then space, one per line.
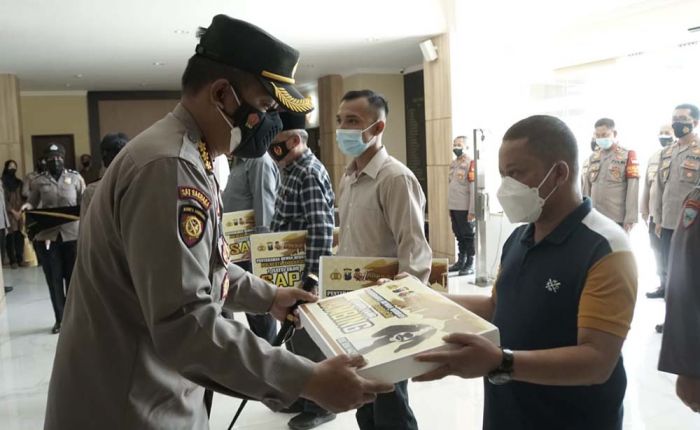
x=340, y=275
x=389, y=325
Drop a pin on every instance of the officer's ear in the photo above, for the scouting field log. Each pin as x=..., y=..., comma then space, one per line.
x=220, y=94
x=562, y=172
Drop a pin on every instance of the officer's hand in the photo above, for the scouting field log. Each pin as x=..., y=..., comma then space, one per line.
x=658, y=230
x=628, y=226
x=340, y=372
x=286, y=298
x=471, y=217
x=473, y=356
x=26, y=207
x=688, y=390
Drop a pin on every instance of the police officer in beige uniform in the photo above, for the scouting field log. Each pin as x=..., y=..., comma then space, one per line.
x=57, y=247
x=680, y=347
x=143, y=332
x=460, y=202
x=612, y=177
x=648, y=195
x=679, y=172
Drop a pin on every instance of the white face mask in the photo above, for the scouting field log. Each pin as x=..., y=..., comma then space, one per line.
x=520, y=202
x=236, y=135
x=221, y=171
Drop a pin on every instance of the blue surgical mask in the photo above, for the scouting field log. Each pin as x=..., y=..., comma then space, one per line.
x=604, y=142
x=350, y=141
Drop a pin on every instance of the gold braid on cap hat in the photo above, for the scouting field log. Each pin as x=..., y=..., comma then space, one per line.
x=290, y=102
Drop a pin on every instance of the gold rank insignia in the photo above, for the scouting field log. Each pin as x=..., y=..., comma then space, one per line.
x=205, y=156
x=192, y=224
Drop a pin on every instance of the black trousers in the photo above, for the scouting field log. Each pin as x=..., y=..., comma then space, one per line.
x=390, y=411
x=655, y=243
x=3, y=243
x=665, y=240
x=464, y=232
x=15, y=247
x=57, y=262
x=302, y=344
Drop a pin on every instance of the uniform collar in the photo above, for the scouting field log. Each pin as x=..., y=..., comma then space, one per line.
x=563, y=230
x=194, y=133
x=373, y=167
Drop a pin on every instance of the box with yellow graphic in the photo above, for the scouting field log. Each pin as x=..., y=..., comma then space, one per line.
x=279, y=258
x=389, y=324
x=238, y=226
x=339, y=275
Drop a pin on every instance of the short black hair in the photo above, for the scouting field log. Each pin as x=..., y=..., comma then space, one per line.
x=694, y=111
x=376, y=101
x=548, y=137
x=201, y=70
x=605, y=122
x=110, y=146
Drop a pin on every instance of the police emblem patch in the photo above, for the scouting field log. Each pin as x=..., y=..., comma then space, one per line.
x=690, y=212
x=192, y=223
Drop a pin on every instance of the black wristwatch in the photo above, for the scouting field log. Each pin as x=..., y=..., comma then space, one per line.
x=504, y=373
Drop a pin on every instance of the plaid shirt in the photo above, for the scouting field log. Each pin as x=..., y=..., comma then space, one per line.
x=306, y=202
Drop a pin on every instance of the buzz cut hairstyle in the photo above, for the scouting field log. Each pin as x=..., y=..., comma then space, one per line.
x=549, y=138
x=605, y=122
x=376, y=101
x=694, y=111
x=464, y=138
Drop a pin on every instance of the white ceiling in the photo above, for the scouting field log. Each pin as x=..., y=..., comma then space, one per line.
x=113, y=45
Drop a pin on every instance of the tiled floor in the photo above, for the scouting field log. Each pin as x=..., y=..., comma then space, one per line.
x=27, y=348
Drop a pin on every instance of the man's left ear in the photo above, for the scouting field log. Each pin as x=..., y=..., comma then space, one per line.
x=563, y=170
x=379, y=127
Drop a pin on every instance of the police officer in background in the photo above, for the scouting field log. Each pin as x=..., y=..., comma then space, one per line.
x=110, y=146
x=460, y=201
x=143, y=332
x=612, y=177
x=58, y=187
x=648, y=194
x=679, y=172
x=680, y=346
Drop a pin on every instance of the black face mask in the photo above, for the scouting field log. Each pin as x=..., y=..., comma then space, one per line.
x=278, y=151
x=681, y=129
x=11, y=172
x=55, y=167
x=458, y=151
x=665, y=140
x=86, y=163
x=257, y=129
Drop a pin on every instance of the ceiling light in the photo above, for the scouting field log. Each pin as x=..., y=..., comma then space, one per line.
x=79, y=76
x=68, y=85
x=158, y=63
x=181, y=32
x=143, y=84
x=372, y=39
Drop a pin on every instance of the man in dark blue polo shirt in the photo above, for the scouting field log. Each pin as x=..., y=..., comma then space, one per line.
x=563, y=300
